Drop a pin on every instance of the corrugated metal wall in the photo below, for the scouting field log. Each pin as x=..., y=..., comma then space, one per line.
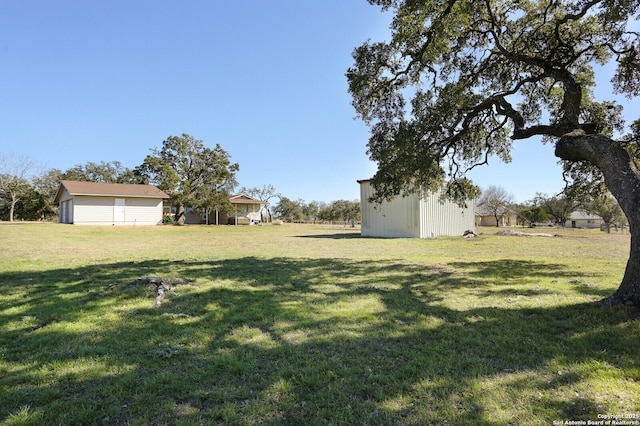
x=410, y=217
x=397, y=218
x=439, y=218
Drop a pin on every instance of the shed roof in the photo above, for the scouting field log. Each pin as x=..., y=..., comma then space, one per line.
x=109, y=190
x=582, y=215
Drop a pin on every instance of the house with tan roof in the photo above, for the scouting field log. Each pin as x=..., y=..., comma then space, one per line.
x=244, y=211
x=90, y=203
x=485, y=217
x=582, y=219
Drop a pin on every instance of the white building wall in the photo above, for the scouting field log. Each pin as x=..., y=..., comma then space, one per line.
x=92, y=210
x=65, y=195
x=143, y=211
x=411, y=217
x=66, y=211
x=100, y=211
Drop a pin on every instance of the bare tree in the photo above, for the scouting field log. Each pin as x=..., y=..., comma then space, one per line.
x=496, y=201
x=265, y=194
x=15, y=172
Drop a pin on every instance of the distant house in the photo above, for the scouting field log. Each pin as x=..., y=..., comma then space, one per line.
x=582, y=219
x=90, y=203
x=245, y=211
x=486, y=218
x=413, y=216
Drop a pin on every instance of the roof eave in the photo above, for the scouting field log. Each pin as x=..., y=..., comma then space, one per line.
x=89, y=194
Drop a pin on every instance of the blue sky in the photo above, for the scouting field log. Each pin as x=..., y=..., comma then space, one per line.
x=93, y=81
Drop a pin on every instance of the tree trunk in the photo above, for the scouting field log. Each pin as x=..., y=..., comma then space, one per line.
x=12, y=206
x=629, y=290
x=180, y=218
x=622, y=177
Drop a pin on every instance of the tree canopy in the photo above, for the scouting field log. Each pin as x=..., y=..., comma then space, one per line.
x=288, y=209
x=559, y=207
x=103, y=172
x=607, y=208
x=460, y=81
x=190, y=173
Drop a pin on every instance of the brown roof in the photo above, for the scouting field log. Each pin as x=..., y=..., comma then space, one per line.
x=110, y=189
x=244, y=199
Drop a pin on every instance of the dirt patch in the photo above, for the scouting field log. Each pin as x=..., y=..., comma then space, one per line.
x=511, y=232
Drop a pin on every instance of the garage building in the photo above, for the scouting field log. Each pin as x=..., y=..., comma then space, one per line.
x=90, y=203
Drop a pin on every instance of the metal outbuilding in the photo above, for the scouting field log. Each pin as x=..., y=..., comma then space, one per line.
x=413, y=215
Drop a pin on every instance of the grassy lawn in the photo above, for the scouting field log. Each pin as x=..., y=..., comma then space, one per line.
x=311, y=325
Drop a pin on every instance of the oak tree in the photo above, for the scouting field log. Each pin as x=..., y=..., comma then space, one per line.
x=459, y=81
x=103, y=172
x=608, y=209
x=190, y=173
x=559, y=207
x=533, y=214
x=288, y=209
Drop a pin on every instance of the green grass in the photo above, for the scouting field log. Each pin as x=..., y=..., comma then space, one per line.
x=311, y=325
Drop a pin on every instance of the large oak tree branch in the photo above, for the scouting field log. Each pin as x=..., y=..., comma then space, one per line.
x=620, y=172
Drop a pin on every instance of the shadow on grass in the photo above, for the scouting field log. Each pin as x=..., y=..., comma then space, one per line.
x=301, y=341
x=515, y=269
x=336, y=236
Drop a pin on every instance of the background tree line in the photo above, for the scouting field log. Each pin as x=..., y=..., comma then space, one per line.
x=317, y=211
x=555, y=209
x=191, y=173
x=188, y=171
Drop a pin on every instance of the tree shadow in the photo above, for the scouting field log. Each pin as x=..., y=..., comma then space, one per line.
x=296, y=341
x=512, y=269
x=336, y=236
